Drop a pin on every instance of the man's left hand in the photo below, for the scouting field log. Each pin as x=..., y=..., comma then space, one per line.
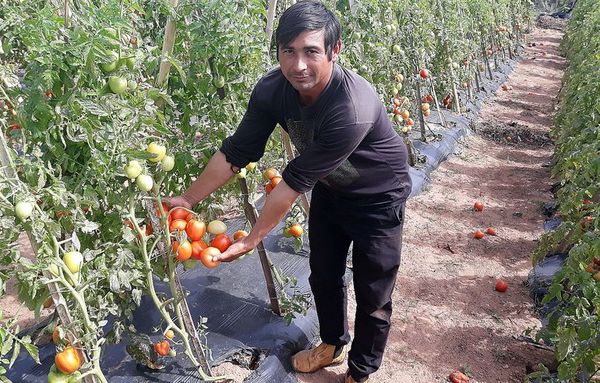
x=235, y=250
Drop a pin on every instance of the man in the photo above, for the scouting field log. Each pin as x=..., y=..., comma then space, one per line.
x=354, y=163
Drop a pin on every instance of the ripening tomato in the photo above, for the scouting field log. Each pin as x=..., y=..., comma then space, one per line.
x=169, y=334
x=182, y=251
x=270, y=173
x=427, y=113
x=296, y=230
x=162, y=348
x=478, y=206
x=409, y=122
x=56, y=335
x=206, y=257
x=405, y=114
x=197, y=247
x=275, y=181
x=491, y=231
x=239, y=234
x=68, y=360
x=216, y=227
x=429, y=98
x=501, y=286
x=177, y=225
x=221, y=242
x=425, y=106
x=195, y=229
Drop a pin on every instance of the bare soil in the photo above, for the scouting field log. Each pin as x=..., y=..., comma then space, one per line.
x=447, y=315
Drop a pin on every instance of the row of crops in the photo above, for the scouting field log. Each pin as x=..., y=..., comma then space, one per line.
x=107, y=106
x=574, y=324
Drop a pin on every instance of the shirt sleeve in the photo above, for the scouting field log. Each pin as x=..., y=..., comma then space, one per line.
x=248, y=142
x=324, y=155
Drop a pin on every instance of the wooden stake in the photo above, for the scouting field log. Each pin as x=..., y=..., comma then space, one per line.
x=265, y=260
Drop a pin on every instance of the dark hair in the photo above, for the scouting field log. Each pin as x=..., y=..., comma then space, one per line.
x=307, y=15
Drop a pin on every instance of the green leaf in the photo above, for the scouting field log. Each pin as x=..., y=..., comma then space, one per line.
x=33, y=352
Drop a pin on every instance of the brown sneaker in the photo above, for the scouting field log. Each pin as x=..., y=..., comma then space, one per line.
x=317, y=358
x=350, y=379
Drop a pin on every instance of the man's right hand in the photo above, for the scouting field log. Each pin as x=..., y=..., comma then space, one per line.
x=178, y=201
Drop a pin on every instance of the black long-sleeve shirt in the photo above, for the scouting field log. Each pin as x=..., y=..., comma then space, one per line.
x=345, y=139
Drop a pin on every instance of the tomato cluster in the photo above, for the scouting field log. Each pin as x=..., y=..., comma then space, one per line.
x=273, y=177
x=400, y=113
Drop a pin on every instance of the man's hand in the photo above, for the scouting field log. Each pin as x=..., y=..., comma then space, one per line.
x=178, y=201
x=235, y=250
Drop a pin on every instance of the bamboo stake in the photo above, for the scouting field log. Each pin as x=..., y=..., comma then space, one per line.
x=167, y=49
x=270, y=20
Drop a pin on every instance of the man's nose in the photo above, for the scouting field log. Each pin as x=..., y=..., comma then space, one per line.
x=299, y=64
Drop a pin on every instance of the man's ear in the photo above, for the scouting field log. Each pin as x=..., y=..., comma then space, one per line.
x=337, y=48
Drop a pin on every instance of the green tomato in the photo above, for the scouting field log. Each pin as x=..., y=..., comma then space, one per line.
x=109, y=67
x=190, y=264
x=159, y=151
x=251, y=166
x=53, y=269
x=132, y=85
x=73, y=260
x=167, y=164
x=396, y=49
x=144, y=182
x=55, y=376
x=130, y=62
x=287, y=233
x=219, y=82
x=23, y=209
x=117, y=84
x=75, y=377
x=133, y=169
x=172, y=353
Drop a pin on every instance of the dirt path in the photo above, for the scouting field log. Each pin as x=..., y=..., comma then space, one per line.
x=447, y=315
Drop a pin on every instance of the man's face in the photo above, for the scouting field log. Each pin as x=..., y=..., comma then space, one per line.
x=305, y=64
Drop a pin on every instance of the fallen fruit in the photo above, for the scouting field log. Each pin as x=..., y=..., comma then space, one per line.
x=458, y=377
x=478, y=206
x=501, y=286
x=478, y=234
x=491, y=231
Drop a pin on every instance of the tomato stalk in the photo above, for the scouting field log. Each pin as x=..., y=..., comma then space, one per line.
x=161, y=306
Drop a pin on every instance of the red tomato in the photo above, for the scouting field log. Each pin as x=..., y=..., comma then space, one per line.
x=221, y=242
x=182, y=251
x=478, y=234
x=424, y=73
x=206, y=257
x=491, y=231
x=458, y=377
x=177, y=224
x=195, y=229
x=478, y=206
x=268, y=188
x=501, y=286
x=197, y=247
x=162, y=348
x=180, y=213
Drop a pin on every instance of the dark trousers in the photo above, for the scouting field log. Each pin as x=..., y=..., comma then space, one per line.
x=376, y=237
